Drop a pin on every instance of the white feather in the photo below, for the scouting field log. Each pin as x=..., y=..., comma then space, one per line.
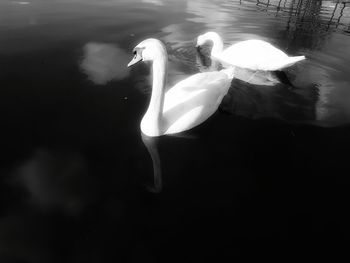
x=187, y=104
x=251, y=54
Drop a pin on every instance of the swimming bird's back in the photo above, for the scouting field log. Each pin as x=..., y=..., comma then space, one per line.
x=257, y=55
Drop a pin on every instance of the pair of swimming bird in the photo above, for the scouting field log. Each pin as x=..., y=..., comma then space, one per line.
x=193, y=100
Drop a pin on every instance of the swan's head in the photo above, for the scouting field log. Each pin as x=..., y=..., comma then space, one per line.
x=148, y=50
x=209, y=36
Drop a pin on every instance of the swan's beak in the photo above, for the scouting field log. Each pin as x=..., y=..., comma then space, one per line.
x=199, y=49
x=196, y=44
x=137, y=58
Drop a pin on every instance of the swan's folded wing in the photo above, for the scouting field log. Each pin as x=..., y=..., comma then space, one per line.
x=252, y=54
x=192, y=101
x=192, y=86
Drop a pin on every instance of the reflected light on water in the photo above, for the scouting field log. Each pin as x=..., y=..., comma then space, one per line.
x=104, y=62
x=154, y=2
x=52, y=180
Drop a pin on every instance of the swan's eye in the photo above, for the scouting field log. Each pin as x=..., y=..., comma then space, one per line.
x=137, y=52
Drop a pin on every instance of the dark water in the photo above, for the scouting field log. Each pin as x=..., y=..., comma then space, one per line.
x=266, y=177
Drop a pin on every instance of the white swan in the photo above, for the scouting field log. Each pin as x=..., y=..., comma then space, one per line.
x=251, y=54
x=186, y=105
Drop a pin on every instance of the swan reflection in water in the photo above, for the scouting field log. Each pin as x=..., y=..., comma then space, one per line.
x=104, y=62
x=151, y=144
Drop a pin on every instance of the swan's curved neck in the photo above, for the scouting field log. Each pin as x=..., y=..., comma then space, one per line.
x=153, y=116
x=218, y=45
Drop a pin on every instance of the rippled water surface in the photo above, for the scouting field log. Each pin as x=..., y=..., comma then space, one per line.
x=265, y=177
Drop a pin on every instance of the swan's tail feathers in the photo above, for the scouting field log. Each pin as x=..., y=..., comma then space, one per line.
x=292, y=60
x=230, y=72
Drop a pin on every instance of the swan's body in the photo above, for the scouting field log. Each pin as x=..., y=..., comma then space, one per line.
x=251, y=54
x=186, y=105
